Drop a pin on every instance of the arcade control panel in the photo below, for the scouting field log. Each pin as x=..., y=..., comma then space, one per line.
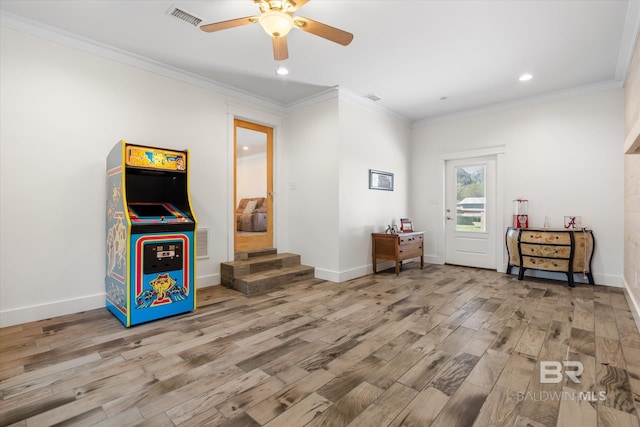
x=162, y=257
x=156, y=213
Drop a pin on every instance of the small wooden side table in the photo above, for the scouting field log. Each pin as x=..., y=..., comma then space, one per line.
x=397, y=247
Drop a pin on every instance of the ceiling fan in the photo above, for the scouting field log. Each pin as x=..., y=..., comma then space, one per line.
x=276, y=17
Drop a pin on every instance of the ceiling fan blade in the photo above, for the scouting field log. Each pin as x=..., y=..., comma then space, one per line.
x=323, y=30
x=217, y=26
x=280, y=49
x=297, y=4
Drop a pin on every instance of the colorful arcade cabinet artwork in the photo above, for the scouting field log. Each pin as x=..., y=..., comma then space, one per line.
x=150, y=234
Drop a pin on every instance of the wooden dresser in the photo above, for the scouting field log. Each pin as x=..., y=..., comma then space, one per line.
x=397, y=247
x=562, y=250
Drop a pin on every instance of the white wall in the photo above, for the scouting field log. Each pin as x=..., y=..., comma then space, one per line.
x=632, y=184
x=62, y=110
x=328, y=149
x=308, y=185
x=563, y=155
x=369, y=140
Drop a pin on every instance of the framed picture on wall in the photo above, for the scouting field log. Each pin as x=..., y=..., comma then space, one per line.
x=379, y=180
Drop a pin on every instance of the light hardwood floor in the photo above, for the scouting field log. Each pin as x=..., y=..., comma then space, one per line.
x=444, y=346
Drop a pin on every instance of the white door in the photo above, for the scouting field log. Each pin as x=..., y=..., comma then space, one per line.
x=470, y=212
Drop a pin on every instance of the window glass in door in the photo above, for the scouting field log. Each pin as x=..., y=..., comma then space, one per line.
x=470, y=200
x=253, y=186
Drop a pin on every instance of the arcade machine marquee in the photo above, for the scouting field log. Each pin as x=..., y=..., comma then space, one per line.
x=150, y=234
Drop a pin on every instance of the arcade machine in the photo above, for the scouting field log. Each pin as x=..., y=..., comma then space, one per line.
x=150, y=234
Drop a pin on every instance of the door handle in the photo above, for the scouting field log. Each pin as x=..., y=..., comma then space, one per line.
x=449, y=218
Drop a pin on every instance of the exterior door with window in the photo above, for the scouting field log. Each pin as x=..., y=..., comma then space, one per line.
x=253, y=176
x=470, y=211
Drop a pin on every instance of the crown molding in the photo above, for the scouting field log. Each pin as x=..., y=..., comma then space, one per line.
x=316, y=98
x=67, y=39
x=629, y=39
x=540, y=99
x=371, y=105
x=344, y=94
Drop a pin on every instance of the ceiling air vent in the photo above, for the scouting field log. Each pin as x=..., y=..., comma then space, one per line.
x=185, y=16
x=373, y=97
x=202, y=243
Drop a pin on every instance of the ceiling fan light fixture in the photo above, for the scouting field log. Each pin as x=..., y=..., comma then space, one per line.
x=276, y=23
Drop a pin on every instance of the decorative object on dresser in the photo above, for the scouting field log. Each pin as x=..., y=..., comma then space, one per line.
x=572, y=222
x=397, y=247
x=520, y=213
x=406, y=225
x=566, y=251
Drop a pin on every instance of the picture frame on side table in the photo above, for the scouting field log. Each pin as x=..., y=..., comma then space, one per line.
x=379, y=180
x=406, y=226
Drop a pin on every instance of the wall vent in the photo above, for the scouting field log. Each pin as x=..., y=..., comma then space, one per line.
x=373, y=97
x=185, y=16
x=202, y=243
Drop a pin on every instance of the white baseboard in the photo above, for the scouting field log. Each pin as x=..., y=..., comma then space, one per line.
x=634, y=305
x=206, y=281
x=32, y=313
x=433, y=259
x=354, y=273
x=330, y=275
x=600, y=279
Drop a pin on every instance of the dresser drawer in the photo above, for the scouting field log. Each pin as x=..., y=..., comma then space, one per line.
x=410, y=250
x=555, y=238
x=405, y=240
x=545, y=263
x=548, y=251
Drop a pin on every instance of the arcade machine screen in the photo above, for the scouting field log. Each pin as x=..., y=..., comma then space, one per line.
x=151, y=210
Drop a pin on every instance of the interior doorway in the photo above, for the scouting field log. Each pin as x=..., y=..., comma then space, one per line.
x=471, y=225
x=253, y=186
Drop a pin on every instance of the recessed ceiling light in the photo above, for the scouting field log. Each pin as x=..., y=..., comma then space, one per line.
x=282, y=71
x=525, y=77
x=245, y=148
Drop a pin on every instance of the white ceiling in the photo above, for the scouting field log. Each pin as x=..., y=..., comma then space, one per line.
x=410, y=53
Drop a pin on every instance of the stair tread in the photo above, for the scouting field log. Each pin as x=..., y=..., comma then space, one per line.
x=275, y=272
x=260, y=259
x=254, y=253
